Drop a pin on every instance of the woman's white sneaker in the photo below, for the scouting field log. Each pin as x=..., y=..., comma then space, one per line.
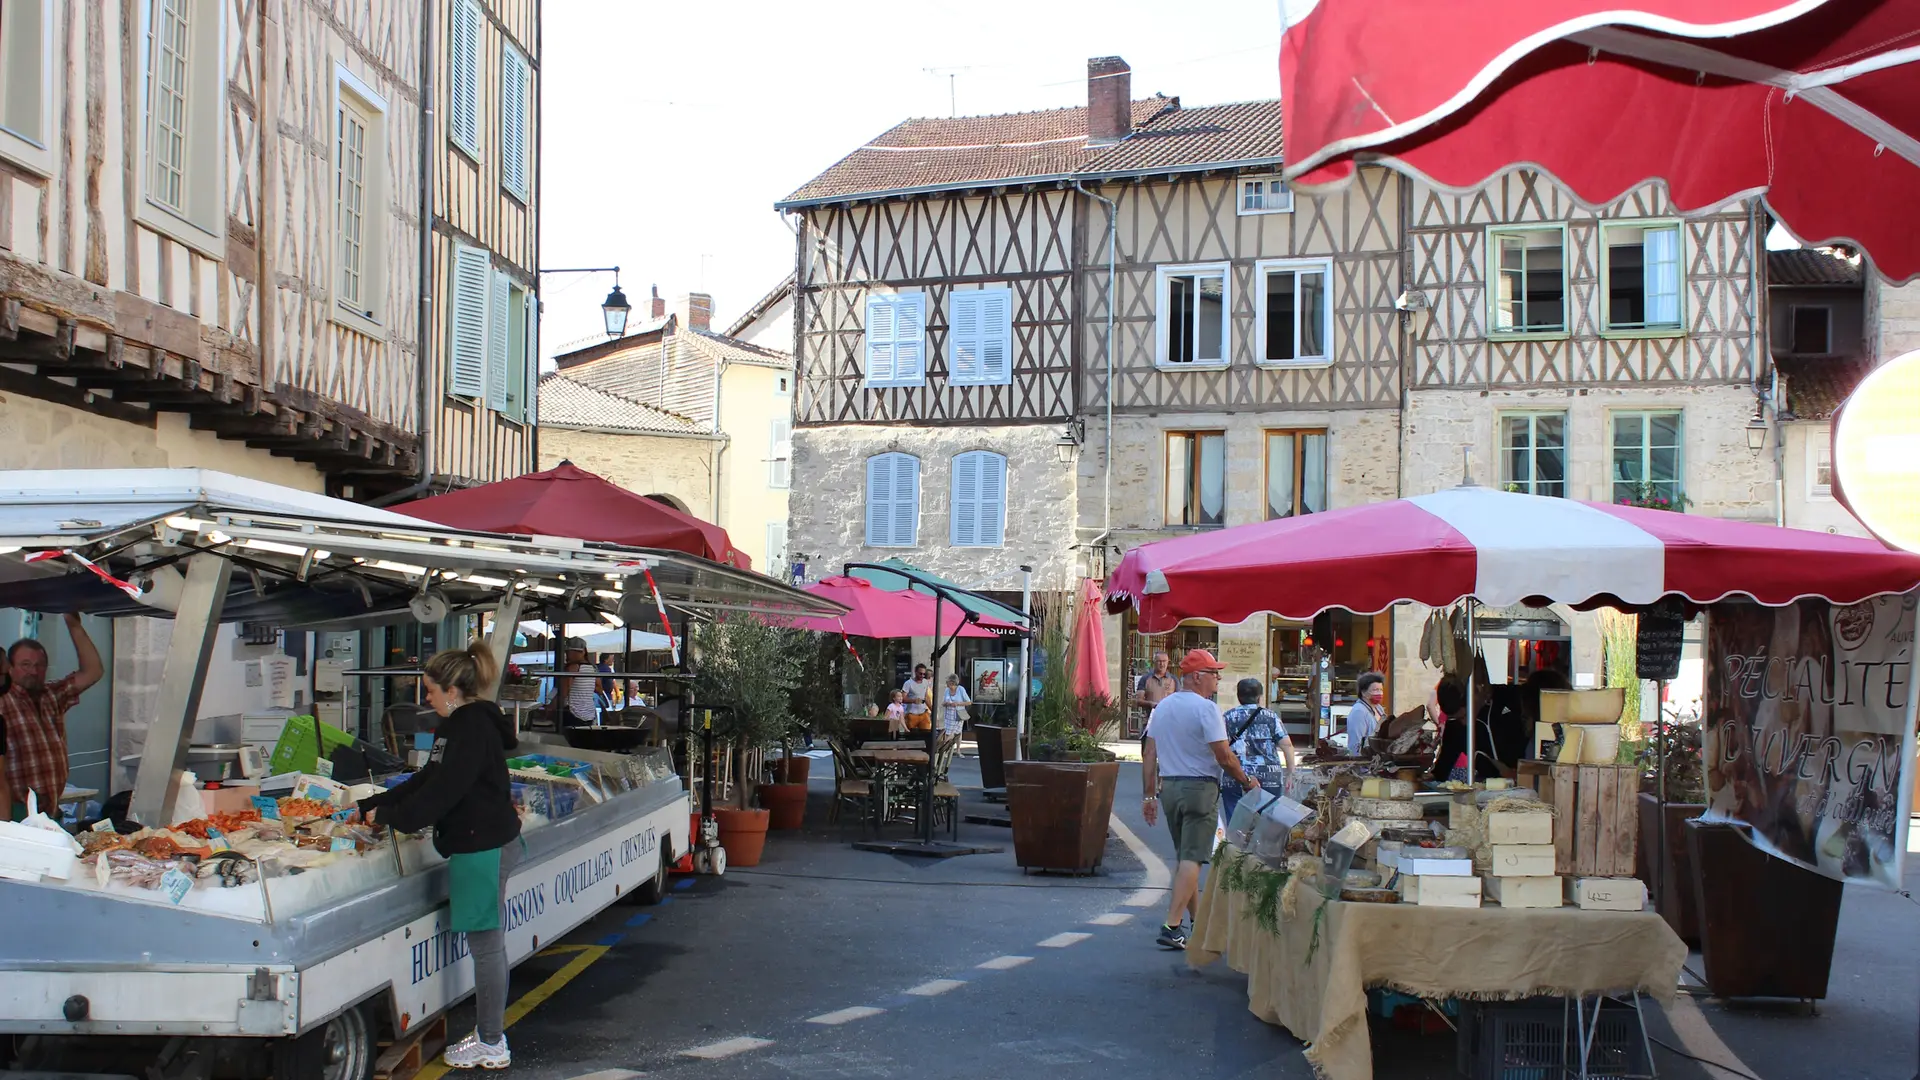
x=471, y=1053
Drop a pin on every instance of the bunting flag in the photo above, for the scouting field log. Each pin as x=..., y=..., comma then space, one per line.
x=125, y=587
x=661, y=606
x=849, y=644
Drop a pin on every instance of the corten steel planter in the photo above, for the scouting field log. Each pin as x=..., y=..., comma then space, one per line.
x=1672, y=886
x=996, y=743
x=1060, y=812
x=1766, y=925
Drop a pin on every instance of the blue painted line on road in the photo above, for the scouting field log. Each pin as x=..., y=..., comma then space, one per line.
x=640, y=920
x=683, y=883
x=667, y=899
x=610, y=940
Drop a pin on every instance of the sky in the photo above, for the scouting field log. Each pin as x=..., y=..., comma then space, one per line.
x=670, y=129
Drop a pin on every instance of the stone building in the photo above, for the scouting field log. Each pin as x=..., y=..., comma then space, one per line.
x=675, y=411
x=1816, y=314
x=1209, y=348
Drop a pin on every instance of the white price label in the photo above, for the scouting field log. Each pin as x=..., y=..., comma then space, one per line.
x=324, y=767
x=176, y=885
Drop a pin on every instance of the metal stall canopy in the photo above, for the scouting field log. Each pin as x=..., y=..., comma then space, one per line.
x=203, y=547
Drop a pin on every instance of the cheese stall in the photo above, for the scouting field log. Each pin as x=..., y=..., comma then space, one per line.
x=275, y=935
x=1510, y=902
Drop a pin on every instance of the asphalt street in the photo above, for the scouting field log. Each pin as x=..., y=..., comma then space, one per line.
x=826, y=962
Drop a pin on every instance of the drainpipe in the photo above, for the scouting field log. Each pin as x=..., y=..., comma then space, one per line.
x=720, y=455
x=1760, y=344
x=424, y=332
x=1106, y=501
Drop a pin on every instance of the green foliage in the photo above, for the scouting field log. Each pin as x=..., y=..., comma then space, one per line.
x=1619, y=634
x=1650, y=497
x=749, y=668
x=815, y=702
x=1260, y=885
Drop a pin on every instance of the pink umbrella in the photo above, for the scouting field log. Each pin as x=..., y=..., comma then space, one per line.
x=882, y=613
x=1087, y=652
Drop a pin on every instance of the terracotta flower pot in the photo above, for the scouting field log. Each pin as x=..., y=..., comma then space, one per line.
x=744, y=834
x=791, y=770
x=786, y=803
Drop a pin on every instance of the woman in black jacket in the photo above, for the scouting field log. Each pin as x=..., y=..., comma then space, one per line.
x=464, y=794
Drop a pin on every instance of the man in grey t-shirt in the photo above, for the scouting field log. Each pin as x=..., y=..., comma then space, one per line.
x=1182, y=756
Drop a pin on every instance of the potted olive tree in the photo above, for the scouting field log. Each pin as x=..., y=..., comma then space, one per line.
x=1060, y=801
x=747, y=671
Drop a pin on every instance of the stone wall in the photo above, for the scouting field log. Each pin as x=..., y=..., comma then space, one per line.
x=1807, y=508
x=827, y=516
x=645, y=464
x=37, y=434
x=1893, y=317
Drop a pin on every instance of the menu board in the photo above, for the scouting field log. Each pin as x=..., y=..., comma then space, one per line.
x=1657, y=645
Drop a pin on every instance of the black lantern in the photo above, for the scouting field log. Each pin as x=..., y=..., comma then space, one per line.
x=1757, y=433
x=616, y=309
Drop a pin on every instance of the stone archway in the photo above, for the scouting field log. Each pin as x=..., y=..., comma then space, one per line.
x=668, y=500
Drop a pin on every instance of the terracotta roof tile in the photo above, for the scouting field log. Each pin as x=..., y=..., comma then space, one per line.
x=1210, y=135
x=1811, y=266
x=570, y=404
x=1817, y=387
x=942, y=152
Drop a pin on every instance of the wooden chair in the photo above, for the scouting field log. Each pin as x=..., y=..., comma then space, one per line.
x=851, y=783
x=946, y=797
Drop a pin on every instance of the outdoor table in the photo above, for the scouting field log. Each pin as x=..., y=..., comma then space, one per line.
x=894, y=744
x=893, y=755
x=1312, y=976
x=889, y=762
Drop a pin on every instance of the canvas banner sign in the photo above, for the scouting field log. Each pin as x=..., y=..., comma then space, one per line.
x=1810, y=731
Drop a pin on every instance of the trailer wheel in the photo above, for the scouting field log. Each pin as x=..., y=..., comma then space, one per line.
x=654, y=889
x=343, y=1050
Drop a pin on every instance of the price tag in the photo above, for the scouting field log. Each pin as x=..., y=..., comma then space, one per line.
x=341, y=843
x=343, y=815
x=324, y=768
x=269, y=808
x=176, y=885
x=103, y=825
x=217, y=840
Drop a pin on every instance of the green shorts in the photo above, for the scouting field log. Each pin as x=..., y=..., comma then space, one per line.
x=1192, y=808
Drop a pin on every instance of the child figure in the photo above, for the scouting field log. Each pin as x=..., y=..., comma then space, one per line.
x=897, y=713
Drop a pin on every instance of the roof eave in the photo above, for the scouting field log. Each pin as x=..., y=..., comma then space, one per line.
x=1170, y=170
x=591, y=429
x=927, y=189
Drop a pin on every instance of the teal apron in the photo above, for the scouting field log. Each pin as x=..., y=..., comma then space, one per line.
x=474, y=887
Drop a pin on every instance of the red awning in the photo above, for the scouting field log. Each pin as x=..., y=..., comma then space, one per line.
x=569, y=501
x=1813, y=104
x=1499, y=547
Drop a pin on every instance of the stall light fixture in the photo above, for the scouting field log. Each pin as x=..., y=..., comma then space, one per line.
x=186, y=524
x=398, y=568
x=8, y=550
x=489, y=582
x=276, y=548
x=609, y=594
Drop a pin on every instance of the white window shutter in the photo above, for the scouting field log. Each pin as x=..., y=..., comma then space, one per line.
x=880, y=351
x=996, y=337
x=906, y=500
x=964, y=530
x=879, y=501
x=500, y=294
x=993, y=500
x=513, y=121
x=463, y=91
x=530, y=364
x=467, y=336
x=963, y=338
x=910, y=338
x=780, y=459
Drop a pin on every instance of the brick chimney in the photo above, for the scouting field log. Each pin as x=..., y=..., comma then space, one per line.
x=657, y=307
x=1109, y=100
x=695, y=311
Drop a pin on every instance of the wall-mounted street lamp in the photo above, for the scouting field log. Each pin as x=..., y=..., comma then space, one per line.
x=1757, y=432
x=615, y=308
x=1070, y=439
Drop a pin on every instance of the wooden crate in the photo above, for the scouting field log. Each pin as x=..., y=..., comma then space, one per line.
x=1596, y=825
x=412, y=1051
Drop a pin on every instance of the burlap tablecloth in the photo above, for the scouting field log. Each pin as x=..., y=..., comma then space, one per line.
x=1319, y=991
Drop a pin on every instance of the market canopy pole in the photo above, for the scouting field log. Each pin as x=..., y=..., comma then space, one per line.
x=202, y=599
x=506, y=623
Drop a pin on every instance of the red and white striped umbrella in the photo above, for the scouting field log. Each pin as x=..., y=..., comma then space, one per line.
x=1498, y=547
x=1813, y=104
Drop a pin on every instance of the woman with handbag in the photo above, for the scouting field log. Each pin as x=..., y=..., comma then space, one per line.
x=953, y=711
x=464, y=794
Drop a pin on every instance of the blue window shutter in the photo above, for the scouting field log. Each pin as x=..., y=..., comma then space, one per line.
x=964, y=529
x=910, y=338
x=499, y=295
x=964, y=340
x=879, y=501
x=906, y=500
x=880, y=351
x=993, y=499
x=467, y=335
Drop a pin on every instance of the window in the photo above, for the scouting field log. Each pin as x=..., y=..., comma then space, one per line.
x=1296, y=473
x=1192, y=322
x=494, y=336
x=463, y=80
x=1533, y=453
x=1264, y=195
x=359, y=192
x=1643, y=276
x=1812, y=329
x=181, y=179
x=777, y=548
x=979, y=499
x=522, y=343
x=515, y=90
x=1819, y=464
x=26, y=69
x=1529, y=273
x=1646, y=456
x=1197, y=478
x=980, y=337
x=893, y=500
x=783, y=385
x=896, y=339
x=1295, y=323
x=780, y=453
